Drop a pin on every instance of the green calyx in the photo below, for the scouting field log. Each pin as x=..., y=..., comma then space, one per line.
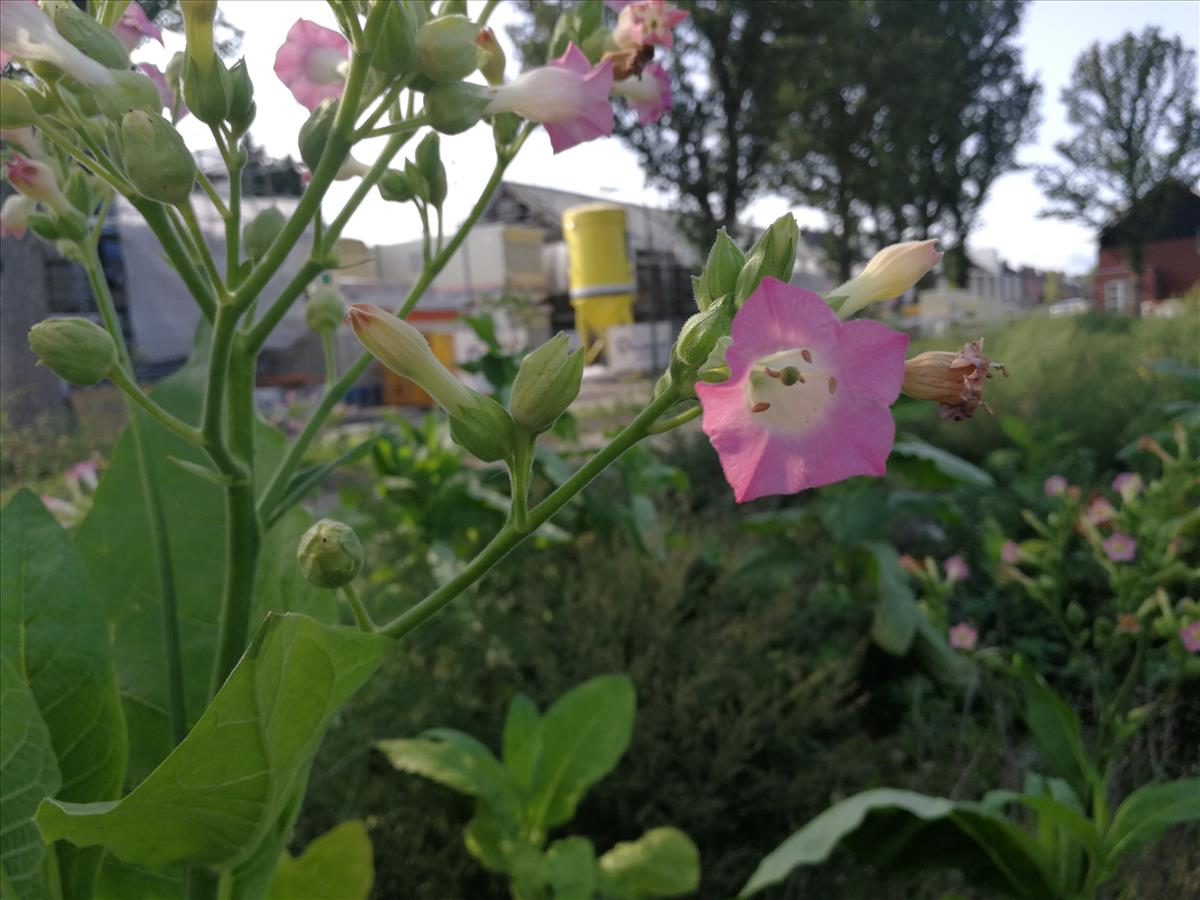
x=484, y=428
x=75, y=349
x=157, y=160
x=330, y=555
x=546, y=384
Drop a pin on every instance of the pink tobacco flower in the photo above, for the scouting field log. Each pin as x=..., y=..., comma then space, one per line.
x=1100, y=511
x=956, y=569
x=311, y=63
x=569, y=97
x=1055, y=486
x=1190, y=635
x=1120, y=547
x=14, y=215
x=134, y=25
x=1011, y=553
x=165, y=93
x=647, y=23
x=1128, y=485
x=648, y=93
x=963, y=636
x=806, y=402
x=37, y=181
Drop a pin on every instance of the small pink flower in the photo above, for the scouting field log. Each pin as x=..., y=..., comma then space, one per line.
x=647, y=23
x=963, y=636
x=569, y=97
x=1127, y=623
x=956, y=569
x=910, y=565
x=1100, y=511
x=83, y=474
x=1011, y=553
x=311, y=63
x=14, y=215
x=806, y=402
x=648, y=93
x=1190, y=635
x=37, y=181
x=1055, y=486
x=134, y=25
x=1128, y=485
x=1120, y=547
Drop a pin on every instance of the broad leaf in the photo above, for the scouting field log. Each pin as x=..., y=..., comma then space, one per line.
x=1055, y=727
x=522, y=747
x=52, y=630
x=663, y=862
x=904, y=829
x=336, y=866
x=114, y=541
x=120, y=881
x=570, y=868
x=28, y=774
x=1149, y=810
x=218, y=793
x=584, y=734
x=947, y=464
x=896, y=613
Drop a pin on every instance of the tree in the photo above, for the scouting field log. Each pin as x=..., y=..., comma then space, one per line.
x=1133, y=106
x=712, y=147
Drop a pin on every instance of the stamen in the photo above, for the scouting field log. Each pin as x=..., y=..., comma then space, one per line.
x=806, y=354
x=760, y=407
x=771, y=373
x=832, y=384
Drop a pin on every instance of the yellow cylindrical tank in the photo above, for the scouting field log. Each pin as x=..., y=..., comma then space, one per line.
x=599, y=275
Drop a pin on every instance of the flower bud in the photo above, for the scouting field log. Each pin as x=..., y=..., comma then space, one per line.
x=16, y=108
x=891, y=272
x=484, y=429
x=954, y=380
x=720, y=276
x=492, y=56
x=446, y=49
x=773, y=255
x=14, y=215
x=330, y=555
x=37, y=181
x=314, y=133
x=77, y=350
x=546, y=384
x=261, y=231
x=404, y=350
x=198, y=17
x=325, y=309
x=699, y=336
x=157, y=160
x=208, y=92
x=241, y=101
x=453, y=108
x=395, y=187
x=129, y=90
x=429, y=163
x=88, y=36
x=505, y=127
x=396, y=51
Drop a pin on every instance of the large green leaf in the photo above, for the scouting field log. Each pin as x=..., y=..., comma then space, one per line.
x=336, y=866
x=114, y=541
x=570, y=868
x=663, y=862
x=896, y=612
x=52, y=631
x=1149, y=810
x=904, y=829
x=217, y=795
x=584, y=734
x=1055, y=727
x=522, y=747
x=952, y=467
x=28, y=774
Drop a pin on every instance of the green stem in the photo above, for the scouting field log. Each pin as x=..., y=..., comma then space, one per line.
x=156, y=217
x=213, y=421
x=160, y=546
x=261, y=330
x=408, y=125
x=330, y=359
x=233, y=218
x=132, y=391
x=487, y=12
x=188, y=212
x=389, y=98
x=361, y=617
x=207, y=187
x=509, y=537
x=520, y=468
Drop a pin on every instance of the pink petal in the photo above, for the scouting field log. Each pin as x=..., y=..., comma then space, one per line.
x=575, y=60
x=871, y=360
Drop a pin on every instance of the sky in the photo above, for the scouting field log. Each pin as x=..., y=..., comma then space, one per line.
x=1052, y=35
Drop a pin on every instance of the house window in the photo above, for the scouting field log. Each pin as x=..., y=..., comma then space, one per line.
x=1118, y=295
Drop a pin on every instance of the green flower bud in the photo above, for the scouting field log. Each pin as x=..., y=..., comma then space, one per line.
x=157, y=160
x=314, y=133
x=396, y=51
x=699, y=336
x=129, y=90
x=46, y=227
x=261, y=231
x=446, y=49
x=1075, y=614
x=505, y=127
x=453, y=108
x=325, y=309
x=416, y=181
x=16, y=108
x=198, y=18
x=88, y=36
x=429, y=162
x=208, y=92
x=329, y=554
x=484, y=428
x=241, y=101
x=546, y=384
x=725, y=262
x=774, y=256
x=395, y=187
x=77, y=350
